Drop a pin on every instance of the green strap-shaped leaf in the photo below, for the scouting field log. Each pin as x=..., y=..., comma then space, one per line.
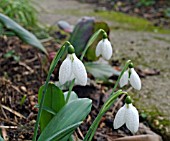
x=72, y=113
x=54, y=100
x=22, y=33
x=63, y=134
x=101, y=71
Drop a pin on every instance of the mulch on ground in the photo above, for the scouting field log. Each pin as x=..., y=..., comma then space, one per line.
x=19, y=84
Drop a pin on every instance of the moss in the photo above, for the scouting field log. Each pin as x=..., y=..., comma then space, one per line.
x=155, y=118
x=130, y=22
x=118, y=20
x=161, y=39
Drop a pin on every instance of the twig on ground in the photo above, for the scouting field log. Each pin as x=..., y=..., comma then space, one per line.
x=8, y=127
x=13, y=111
x=26, y=66
x=8, y=121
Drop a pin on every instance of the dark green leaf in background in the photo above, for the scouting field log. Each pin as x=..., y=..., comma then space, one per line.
x=81, y=34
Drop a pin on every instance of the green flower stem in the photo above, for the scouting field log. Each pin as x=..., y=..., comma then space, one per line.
x=70, y=89
x=105, y=107
x=118, y=80
x=91, y=40
x=52, y=67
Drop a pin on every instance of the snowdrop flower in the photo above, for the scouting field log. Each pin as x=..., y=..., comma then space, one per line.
x=132, y=76
x=104, y=48
x=128, y=115
x=72, y=68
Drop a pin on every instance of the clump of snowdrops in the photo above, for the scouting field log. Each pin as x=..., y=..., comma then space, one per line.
x=60, y=113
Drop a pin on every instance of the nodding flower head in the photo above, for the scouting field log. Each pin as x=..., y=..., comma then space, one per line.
x=72, y=68
x=128, y=115
x=132, y=76
x=104, y=48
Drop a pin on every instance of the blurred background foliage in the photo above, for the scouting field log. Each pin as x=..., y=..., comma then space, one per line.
x=24, y=13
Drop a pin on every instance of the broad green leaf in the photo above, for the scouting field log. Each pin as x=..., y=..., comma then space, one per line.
x=47, y=109
x=73, y=96
x=22, y=33
x=63, y=134
x=101, y=71
x=54, y=100
x=81, y=34
x=52, y=67
x=72, y=113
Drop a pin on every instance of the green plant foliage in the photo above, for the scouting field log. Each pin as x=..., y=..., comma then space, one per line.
x=167, y=12
x=146, y=2
x=69, y=116
x=12, y=54
x=22, y=33
x=52, y=67
x=101, y=71
x=22, y=11
x=54, y=99
x=73, y=96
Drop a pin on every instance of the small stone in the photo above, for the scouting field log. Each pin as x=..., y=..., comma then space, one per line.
x=23, y=88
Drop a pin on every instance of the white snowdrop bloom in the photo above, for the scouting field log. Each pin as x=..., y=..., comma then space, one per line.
x=104, y=48
x=133, y=77
x=72, y=68
x=128, y=115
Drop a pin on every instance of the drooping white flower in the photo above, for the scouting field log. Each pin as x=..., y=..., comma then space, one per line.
x=104, y=48
x=133, y=77
x=72, y=68
x=128, y=115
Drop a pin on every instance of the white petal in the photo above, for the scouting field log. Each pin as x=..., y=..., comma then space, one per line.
x=135, y=80
x=65, y=70
x=124, y=79
x=119, y=118
x=79, y=71
x=98, y=48
x=71, y=77
x=132, y=118
x=106, y=49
